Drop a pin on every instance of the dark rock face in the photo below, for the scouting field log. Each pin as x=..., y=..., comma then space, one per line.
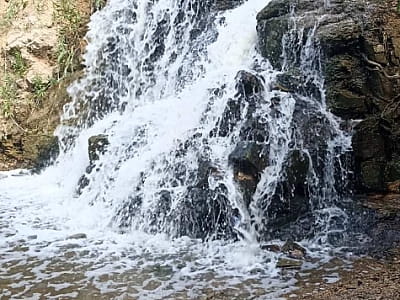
x=248, y=160
x=371, y=148
x=248, y=84
x=250, y=156
x=206, y=214
x=226, y=4
x=97, y=146
x=288, y=210
x=272, y=24
x=47, y=154
x=360, y=49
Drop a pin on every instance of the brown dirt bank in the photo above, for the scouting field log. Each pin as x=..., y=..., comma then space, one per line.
x=41, y=43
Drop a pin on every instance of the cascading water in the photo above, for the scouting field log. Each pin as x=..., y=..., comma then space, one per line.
x=197, y=144
x=316, y=141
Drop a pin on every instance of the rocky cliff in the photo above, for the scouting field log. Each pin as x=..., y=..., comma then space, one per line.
x=359, y=59
x=41, y=45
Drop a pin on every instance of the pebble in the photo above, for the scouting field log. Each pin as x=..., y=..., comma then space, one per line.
x=77, y=236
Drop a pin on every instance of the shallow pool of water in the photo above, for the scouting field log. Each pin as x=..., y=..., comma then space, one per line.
x=43, y=258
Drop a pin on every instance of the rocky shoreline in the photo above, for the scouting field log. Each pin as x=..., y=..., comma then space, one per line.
x=368, y=278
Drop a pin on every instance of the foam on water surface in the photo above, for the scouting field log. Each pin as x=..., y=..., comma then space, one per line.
x=46, y=254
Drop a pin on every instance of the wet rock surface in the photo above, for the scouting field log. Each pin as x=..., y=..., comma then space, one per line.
x=294, y=250
x=287, y=263
x=97, y=146
x=226, y=4
x=360, y=62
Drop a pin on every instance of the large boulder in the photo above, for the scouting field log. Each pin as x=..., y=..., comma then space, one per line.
x=288, y=215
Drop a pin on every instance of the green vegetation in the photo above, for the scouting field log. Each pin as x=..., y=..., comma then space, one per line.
x=69, y=36
x=40, y=87
x=18, y=63
x=97, y=4
x=71, y=23
x=65, y=57
x=8, y=97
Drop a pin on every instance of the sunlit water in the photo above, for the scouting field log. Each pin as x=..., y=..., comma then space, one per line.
x=57, y=243
x=52, y=249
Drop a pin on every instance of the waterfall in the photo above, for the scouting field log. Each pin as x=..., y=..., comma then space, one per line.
x=164, y=84
x=167, y=87
x=196, y=139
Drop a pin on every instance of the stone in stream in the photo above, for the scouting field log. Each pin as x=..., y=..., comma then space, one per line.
x=97, y=145
x=271, y=248
x=294, y=250
x=286, y=263
x=77, y=236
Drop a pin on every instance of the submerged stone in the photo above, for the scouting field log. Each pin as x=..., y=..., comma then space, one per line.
x=271, y=248
x=286, y=263
x=77, y=236
x=294, y=250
